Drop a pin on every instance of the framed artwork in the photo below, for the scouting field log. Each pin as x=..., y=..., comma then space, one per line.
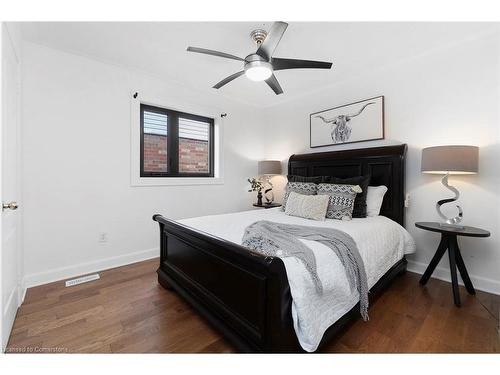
x=355, y=122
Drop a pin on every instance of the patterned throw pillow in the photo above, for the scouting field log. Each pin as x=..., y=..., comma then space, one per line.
x=360, y=201
x=341, y=202
x=306, y=188
x=307, y=206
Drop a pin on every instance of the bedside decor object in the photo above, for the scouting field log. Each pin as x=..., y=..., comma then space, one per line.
x=450, y=160
x=355, y=122
x=256, y=185
x=267, y=169
x=449, y=241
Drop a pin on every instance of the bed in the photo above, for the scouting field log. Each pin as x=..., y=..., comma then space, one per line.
x=248, y=296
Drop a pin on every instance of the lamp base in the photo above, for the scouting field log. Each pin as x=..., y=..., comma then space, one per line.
x=450, y=222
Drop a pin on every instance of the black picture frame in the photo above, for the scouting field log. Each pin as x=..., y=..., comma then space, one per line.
x=347, y=105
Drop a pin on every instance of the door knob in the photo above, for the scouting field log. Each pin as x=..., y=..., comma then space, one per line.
x=9, y=206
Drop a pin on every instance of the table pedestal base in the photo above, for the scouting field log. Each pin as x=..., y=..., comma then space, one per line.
x=449, y=242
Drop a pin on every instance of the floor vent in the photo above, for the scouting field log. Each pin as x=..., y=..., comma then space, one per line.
x=83, y=279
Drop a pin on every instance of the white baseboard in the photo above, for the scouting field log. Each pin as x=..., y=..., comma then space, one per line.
x=22, y=294
x=441, y=273
x=480, y=283
x=63, y=273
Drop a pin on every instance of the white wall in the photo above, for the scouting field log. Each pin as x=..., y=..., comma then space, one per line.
x=76, y=138
x=76, y=130
x=446, y=96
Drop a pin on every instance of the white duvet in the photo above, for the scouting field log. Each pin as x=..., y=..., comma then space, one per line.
x=381, y=243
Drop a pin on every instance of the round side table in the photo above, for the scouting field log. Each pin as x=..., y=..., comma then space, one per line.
x=449, y=242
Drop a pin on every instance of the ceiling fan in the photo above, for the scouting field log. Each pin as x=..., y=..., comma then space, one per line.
x=260, y=66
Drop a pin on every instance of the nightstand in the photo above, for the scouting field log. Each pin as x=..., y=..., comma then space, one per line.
x=449, y=242
x=264, y=205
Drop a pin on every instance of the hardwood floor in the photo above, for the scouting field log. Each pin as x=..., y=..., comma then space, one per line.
x=126, y=311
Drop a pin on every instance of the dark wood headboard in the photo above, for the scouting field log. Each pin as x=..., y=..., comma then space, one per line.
x=386, y=165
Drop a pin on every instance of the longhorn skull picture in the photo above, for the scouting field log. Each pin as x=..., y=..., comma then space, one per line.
x=354, y=122
x=341, y=131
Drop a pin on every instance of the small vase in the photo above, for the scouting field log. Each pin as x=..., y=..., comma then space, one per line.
x=259, y=198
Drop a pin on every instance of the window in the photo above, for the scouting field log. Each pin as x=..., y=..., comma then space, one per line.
x=176, y=144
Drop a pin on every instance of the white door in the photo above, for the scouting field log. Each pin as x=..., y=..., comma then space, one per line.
x=9, y=218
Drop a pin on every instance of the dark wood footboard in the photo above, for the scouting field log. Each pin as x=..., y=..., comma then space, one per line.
x=243, y=294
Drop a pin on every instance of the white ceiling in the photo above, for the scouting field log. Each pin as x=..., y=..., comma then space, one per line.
x=160, y=48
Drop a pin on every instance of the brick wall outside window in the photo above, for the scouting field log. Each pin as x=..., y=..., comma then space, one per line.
x=193, y=154
x=155, y=153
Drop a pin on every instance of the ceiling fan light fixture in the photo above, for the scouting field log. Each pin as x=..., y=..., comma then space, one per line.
x=258, y=70
x=260, y=65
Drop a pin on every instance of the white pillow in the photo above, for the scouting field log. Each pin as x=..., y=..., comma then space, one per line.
x=374, y=199
x=307, y=206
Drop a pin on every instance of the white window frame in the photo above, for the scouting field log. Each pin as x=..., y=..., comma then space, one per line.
x=135, y=143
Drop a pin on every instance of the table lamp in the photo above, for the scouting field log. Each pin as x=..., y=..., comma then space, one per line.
x=450, y=160
x=267, y=169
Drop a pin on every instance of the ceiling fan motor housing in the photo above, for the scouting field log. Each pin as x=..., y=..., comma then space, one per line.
x=254, y=58
x=257, y=68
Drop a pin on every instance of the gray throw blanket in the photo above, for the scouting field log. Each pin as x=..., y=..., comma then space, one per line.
x=283, y=240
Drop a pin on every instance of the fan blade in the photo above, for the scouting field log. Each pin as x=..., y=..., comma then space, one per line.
x=213, y=53
x=228, y=79
x=274, y=84
x=281, y=64
x=272, y=40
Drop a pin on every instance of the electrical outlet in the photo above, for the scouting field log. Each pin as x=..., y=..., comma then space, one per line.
x=103, y=237
x=407, y=200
